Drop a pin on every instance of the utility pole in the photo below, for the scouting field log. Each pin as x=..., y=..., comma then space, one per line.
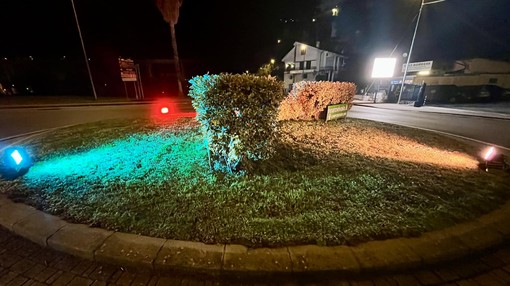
x=84, y=51
x=412, y=45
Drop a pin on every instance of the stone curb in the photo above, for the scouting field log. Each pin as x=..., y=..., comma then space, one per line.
x=173, y=255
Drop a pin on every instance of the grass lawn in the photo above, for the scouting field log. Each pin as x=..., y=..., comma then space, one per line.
x=330, y=183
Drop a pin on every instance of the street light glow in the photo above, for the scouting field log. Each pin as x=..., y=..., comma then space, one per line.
x=384, y=67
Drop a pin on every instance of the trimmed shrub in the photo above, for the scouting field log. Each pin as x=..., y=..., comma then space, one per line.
x=308, y=99
x=238, y=117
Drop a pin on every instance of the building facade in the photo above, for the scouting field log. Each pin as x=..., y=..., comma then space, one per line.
x=307, y=63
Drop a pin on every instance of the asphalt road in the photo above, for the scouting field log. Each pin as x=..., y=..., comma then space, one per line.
x=18, y=121
x=491, y=130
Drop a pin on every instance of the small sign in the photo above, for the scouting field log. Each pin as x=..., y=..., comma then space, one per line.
x=418, y=66
x=337, y=111
x=127, y=69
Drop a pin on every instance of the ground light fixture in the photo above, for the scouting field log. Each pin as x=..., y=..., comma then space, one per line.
x=15, y=163
x=494, y=160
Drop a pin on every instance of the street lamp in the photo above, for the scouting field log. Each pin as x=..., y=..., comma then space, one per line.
x=412, y=45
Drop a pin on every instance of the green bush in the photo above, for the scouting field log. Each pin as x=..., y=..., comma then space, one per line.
x=308, y=99
x=238, y=117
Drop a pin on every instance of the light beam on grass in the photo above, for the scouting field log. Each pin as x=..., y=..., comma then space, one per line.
x=153, y=158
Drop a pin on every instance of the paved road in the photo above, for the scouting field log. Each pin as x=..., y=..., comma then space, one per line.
x=25, y=263
x=490, y=130
x=15, y=121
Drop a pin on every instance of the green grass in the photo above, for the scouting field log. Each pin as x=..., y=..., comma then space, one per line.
x=142, y=177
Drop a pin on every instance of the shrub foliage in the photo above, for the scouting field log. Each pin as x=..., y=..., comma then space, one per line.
x=308, y=99
x=238, y=117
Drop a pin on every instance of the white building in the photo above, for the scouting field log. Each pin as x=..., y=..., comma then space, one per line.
x=308, y=63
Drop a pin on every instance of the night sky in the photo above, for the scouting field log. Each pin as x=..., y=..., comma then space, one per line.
x=234, y=36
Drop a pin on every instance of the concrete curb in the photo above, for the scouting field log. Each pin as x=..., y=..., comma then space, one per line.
x=173, y=255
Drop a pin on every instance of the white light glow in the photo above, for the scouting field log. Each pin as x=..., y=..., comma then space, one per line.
x=17, y=157
x=384, y=67
x=489, y=154
x=164, y=110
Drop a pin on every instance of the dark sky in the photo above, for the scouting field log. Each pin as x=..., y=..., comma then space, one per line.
x=233, y=35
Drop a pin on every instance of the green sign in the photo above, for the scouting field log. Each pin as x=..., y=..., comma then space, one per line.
x=337, y=111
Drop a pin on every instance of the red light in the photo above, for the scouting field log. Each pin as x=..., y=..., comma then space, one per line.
x=164, y=110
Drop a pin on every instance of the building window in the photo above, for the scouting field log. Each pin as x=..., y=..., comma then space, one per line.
x=493, y=80
x=308, y=65
x=290, y=87
x=290, y=76
x=301, y=65
x=305, y=75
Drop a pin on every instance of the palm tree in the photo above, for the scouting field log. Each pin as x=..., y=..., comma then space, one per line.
x=170, y=11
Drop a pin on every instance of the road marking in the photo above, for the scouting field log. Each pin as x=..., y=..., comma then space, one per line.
x=455, y=135
x=27, y=136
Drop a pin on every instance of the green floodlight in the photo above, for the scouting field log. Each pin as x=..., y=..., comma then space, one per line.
x=15, y=163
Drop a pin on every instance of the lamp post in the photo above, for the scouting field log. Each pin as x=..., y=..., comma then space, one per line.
x=84, y=51
x=412, y=45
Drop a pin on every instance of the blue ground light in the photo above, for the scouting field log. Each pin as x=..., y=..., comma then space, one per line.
x=15, y=163
x=153, y=158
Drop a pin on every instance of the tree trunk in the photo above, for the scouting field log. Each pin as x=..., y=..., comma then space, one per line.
x=176, y=60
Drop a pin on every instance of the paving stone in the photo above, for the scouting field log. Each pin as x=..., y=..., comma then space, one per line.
x=45, y=274
x=63, y=279
x=406, y=280
x=239, y=258
x=385, y=255
x=467, y=282
x=32, y=272
x=79, y=240
x=83, y=266
x=164, y=281
x=130, y=250
x=470, y=268
x=35, y=283
x=80, y=281
x=54, y=277
x=7, y=259
x=67, y=263
x=126, y=279
x=99, y=283
x=384, y=282
x=184, y=255
x=103, y=272
x=7, y=277
x=489, y=279
x=316, y=258
x=447, y=275
x=18, y=281
x=11, y=213
x=502, y=275
x=22, y=266
x=38, y=227
x=427, y=278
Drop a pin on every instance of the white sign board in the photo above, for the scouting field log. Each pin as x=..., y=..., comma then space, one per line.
x=384, y=67
x=418, y=66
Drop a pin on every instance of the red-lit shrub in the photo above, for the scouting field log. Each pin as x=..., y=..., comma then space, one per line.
x=308, y=99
